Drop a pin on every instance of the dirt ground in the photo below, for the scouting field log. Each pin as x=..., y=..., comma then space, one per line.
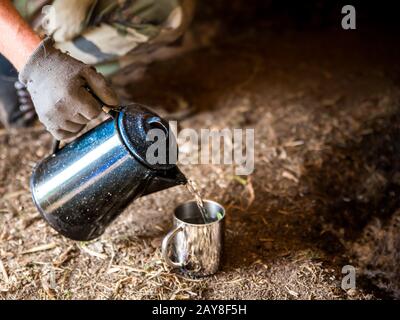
x=324, y=194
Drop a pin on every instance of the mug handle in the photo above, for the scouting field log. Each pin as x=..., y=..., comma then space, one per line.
x=165, y=246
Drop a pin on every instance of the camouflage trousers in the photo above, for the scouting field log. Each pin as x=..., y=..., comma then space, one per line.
x=112, y=35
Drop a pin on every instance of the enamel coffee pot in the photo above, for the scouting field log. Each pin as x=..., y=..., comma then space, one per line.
x=81, y=188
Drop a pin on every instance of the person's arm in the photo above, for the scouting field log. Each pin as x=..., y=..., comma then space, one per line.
x=17, y=39
x=61, y=87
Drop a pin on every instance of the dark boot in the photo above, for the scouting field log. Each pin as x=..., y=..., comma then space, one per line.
x=16, y=107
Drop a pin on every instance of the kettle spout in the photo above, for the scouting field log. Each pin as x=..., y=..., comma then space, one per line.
x=165, y=180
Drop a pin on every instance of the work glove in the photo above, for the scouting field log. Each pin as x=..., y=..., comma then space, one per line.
x=67, y=93
x=65, y=19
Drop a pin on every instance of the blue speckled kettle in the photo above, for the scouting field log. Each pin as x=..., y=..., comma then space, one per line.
x=83, y=187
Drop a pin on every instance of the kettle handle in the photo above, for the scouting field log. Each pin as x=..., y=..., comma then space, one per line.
x=112, y=112
x=55, y=146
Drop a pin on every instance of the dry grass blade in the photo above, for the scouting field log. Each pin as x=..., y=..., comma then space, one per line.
x=93, y=253
x=290, y=176
x=4, y=272
x=119, y=284
x=43, y=247
x=26, y=223
x=130, y=269
x=250, y=190
x=65, y=256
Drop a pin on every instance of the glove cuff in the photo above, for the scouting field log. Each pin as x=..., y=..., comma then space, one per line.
x=36, y=59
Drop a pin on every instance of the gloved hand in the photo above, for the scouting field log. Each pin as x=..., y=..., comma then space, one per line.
x=59, y=87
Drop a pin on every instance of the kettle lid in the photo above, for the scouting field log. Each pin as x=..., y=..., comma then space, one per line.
x=135, y=124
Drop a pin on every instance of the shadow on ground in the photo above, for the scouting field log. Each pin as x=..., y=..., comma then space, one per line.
x=345, y=174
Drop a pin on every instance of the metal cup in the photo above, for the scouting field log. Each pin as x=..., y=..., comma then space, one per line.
x=196, y=245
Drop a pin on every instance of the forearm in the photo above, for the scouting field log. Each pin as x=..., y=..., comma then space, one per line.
x=17, y=39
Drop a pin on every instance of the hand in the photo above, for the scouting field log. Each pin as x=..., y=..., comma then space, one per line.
x=65, y=19
x=59, y=87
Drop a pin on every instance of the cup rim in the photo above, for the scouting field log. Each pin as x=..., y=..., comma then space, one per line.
x=204, y=224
